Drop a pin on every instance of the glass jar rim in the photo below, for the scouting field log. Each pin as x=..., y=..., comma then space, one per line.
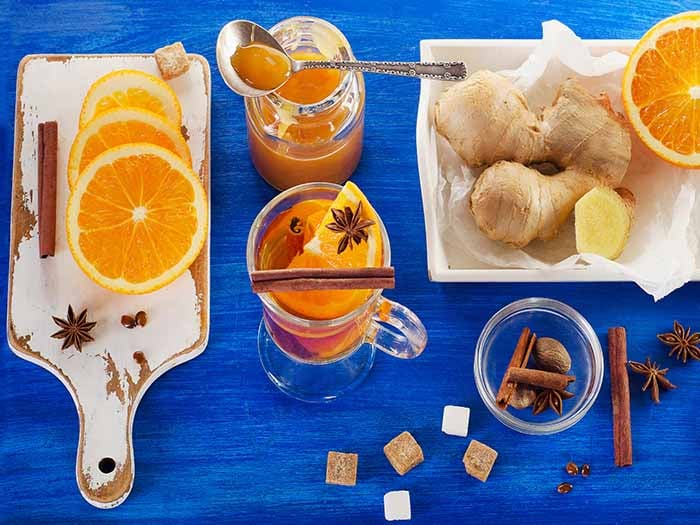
x=346, y=80
x=266, y=298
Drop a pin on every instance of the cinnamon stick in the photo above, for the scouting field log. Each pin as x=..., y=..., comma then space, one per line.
x=528, y=352
x=540, y=378
x=620, y=392
x=307, y=279
x=47, y=168
x=520, y=356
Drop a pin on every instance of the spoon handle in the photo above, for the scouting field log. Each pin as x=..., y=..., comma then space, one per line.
x=431, y=70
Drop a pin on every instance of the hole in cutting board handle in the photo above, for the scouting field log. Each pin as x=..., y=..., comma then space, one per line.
x=106, y=465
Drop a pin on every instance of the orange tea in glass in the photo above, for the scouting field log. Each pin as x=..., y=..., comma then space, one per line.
x=315, y=345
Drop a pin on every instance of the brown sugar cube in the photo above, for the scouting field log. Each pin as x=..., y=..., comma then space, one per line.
x=172, y=60
x=404, y=453
x=341, y=469
x=479, y=460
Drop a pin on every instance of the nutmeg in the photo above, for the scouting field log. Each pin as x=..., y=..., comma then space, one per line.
x=523, y=397
x=550, y=355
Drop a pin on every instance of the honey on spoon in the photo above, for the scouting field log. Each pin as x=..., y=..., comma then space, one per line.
x=263, y=68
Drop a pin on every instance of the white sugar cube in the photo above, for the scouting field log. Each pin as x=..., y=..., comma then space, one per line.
x=397, y=505
x=455, y=420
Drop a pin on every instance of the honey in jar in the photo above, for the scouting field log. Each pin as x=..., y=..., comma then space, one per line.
x=309, y=130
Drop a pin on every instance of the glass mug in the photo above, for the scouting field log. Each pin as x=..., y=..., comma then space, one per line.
x=319, y=360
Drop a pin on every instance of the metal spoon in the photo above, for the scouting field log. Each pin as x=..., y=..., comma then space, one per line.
x=242, y=32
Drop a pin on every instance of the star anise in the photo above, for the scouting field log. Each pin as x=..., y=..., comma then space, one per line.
x=683, y=344
x=74, y=330
x=655, y=377
x=549, y=398
x=351, y=225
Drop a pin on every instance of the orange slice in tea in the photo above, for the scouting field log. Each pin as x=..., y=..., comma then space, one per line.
x=661, y=89
x=130, y=88
x=137, y=218
x=331, y=247
x=118, y=126
x=312, y=223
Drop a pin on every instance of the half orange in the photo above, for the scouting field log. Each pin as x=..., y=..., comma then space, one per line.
x=661, y=89
x=137, y=218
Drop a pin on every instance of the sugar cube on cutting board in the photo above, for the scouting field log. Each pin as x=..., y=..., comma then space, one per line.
x=455, y=420
x=397, y=505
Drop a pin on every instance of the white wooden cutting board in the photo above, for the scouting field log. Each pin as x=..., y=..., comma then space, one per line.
x=109, y=377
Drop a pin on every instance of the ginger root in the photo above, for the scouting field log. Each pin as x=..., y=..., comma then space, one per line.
x=603, y=219
x=487, y=121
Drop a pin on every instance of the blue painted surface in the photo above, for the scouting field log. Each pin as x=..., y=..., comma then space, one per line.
x=214, y=441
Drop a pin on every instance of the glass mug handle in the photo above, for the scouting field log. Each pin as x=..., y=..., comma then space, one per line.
x=409, y=338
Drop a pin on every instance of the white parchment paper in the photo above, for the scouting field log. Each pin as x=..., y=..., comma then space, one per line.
x=663, y=245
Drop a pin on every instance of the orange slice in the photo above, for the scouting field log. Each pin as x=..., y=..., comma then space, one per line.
x=322, y=251
x=661, y=89
x=130, y=88
x=312, y=212
x=312, y=223
x=137, y=218
x=118, y=126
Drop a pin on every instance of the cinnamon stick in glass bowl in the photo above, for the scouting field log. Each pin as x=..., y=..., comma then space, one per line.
x=520, y=357
x=540, y=378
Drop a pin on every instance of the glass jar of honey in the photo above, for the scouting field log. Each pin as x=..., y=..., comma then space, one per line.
x=310, y=130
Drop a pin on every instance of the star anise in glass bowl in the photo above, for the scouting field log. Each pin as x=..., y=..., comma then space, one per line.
x=549, y=398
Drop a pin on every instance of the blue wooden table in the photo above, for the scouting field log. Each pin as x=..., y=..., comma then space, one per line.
x=215, y=441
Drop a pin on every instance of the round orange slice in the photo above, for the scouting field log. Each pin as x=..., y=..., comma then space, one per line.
x=137, y=218
x=331, y=248
x=661, y=89
x=118, y=126
x=130, y=88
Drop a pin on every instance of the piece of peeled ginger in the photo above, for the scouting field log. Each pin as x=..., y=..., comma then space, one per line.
x=603, y=218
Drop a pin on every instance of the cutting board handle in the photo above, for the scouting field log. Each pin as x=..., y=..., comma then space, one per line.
x=105, y=436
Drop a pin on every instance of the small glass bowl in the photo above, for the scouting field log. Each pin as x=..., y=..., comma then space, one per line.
x=546, y=318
